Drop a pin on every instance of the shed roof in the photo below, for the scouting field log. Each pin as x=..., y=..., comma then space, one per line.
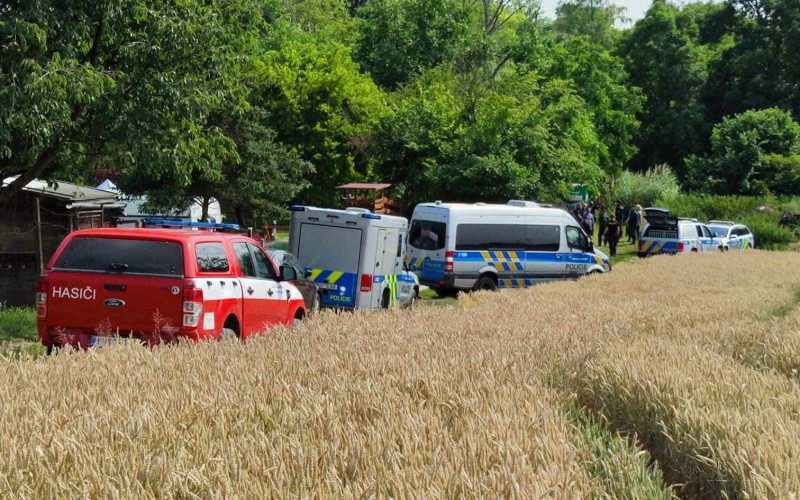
x=361, y=185
x=65, y=191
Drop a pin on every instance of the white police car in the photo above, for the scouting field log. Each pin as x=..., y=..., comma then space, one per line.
x=732, y=236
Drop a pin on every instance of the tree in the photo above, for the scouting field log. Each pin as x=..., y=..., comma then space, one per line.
x=594, y=19
x=754, y=153
x=600, y=79
x=120, y=83
x=665, y=57
x=320, y=106
x=400, y=38
x=762, y=68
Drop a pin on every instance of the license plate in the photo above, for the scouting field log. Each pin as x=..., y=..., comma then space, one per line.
x=100, y=341
x=405, y=288
x=326, y=286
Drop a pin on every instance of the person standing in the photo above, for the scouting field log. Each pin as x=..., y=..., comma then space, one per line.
x=631, y=222
x=602, y=222
x=620, y=212
x=589, y=222
x=612, y=233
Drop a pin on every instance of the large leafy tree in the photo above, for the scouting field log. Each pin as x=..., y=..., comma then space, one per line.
x=320, y=106
x=594, y=19
x=762, y=68
x=667, y=55
x=754, y=153
x=125, y=84
x=600, y=79
x=400, y=38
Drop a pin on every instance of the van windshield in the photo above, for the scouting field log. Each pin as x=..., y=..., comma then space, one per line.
x=427, y=234
x=120, y=255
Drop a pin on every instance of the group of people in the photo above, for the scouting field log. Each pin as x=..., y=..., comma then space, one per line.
x=610, y=224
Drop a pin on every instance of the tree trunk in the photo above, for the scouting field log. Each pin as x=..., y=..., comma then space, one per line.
x=205, y=203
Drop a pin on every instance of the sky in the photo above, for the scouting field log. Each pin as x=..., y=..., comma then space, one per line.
x=636, y=8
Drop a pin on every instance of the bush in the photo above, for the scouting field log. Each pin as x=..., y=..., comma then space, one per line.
x=768, y=233
x=644, y=189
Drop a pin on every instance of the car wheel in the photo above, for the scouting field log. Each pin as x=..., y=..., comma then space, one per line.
x=414, y=298
x=486, y=283
x=227, y=334
x=445, y=292
x=385, y=299
x=316, y=304
x=721, y=249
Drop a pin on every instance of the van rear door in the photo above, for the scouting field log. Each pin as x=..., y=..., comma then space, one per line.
x=113, y=285
x=427, y=237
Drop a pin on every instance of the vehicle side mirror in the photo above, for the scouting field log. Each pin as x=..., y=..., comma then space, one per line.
x=288, y=273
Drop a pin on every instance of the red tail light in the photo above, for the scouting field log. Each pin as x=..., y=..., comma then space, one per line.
x=41, y=297
x=680, y=246
x=448, y=262
x=192, y=304
x=366, y=282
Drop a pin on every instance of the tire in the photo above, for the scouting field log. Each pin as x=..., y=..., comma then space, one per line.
x=316, y=305
x=227, y=334
x=414, y=298
x=487, y=283
x=385, y=299
x=721, y=249
x=445, y=292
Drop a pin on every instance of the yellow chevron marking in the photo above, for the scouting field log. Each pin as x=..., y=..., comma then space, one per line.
x=499, y=256
x=315, y=273
x=335, y=275
x=658, y=247
x=486, y=256
x=498, y=265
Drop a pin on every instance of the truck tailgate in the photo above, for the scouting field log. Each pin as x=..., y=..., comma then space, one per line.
x=110, y=304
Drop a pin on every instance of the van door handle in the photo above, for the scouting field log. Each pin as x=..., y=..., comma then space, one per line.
x=250, y=290
x=270, y=292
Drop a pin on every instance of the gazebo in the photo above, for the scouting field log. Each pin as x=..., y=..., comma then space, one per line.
x=370, y=196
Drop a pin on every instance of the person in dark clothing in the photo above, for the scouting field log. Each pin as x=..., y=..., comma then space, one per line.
x=633, y=221
x=602, y=223
x=612, y=234
x=619, y=212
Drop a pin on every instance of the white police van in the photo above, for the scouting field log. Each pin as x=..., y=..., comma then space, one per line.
x=354, y=256
x=457, y=246
x=670, y=235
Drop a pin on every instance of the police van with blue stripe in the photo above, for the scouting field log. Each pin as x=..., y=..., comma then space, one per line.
x=457, y=246
x=355, y=256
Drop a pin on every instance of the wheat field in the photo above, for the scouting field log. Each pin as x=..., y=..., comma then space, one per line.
x=671, y=376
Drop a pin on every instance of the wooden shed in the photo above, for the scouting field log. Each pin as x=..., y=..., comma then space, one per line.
x=35, y=221
x=371, y=196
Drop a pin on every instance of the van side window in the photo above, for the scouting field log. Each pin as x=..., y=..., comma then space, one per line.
x=490, y=237
x=211, y=258
x=699, y=230
x=542, y=238
x=706, y=232
x=245, y=259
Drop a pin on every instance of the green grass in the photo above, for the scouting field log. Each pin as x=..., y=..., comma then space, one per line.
x=18, y=335
x=18, y=324
x=625, y=251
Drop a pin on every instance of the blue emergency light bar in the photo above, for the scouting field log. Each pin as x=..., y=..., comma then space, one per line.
x=188, y=224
